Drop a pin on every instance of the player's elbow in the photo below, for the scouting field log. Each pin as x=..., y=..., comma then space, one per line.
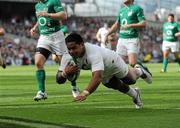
x=144, y=23
x=59, y=78
x=63, y=16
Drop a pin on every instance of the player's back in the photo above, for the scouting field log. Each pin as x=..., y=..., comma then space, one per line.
x=107, y=54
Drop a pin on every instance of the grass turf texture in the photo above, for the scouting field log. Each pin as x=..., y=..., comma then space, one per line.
x=105, y=108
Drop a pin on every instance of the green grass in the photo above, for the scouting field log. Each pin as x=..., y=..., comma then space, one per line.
x=105, y=108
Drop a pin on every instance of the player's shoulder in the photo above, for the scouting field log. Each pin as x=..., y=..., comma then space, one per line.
x=37, y=5
x=90, y=45
x=91, y=48
x=66, y=56
x=176, y=23
x=167, y=24
x=137, y=7
x=55, y=1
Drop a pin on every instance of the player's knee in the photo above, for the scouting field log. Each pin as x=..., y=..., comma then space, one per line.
x=124, y=88
x=114, y=83
x=129, y=81
x=111, y=86
x=38, y=65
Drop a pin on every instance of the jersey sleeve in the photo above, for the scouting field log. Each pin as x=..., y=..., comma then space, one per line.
x=140, y=14
x=96, y=62
x=64, y=61
x=58, y=6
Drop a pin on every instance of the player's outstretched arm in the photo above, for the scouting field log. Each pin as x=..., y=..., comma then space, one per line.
x=34, y=29
x=92, y=86
x=113, y=29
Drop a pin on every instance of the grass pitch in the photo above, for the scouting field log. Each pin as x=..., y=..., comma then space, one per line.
x=105, y=108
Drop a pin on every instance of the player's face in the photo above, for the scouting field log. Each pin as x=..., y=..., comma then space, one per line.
x=76, y=50
x=170, y=19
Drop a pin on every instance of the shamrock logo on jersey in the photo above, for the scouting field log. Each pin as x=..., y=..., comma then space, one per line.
x=130, y=13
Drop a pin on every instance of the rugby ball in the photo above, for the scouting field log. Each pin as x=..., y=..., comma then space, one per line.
x=74, y=76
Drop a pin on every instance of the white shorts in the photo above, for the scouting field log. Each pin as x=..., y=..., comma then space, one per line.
x=173, y=46
x=55, y=43
x=127, y=46
x=118, y=68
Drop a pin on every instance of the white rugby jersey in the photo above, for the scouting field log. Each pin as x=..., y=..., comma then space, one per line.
x=95, y=59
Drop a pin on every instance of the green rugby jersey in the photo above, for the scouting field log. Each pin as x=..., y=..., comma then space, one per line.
x=47, y=25
x=129, y=15
x=169, y=30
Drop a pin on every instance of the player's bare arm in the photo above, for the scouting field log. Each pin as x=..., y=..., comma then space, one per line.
x=141, y=24
x=113, y=29
x=98, y=36
x=92, y=86
x=56, y=16
x=34, y=29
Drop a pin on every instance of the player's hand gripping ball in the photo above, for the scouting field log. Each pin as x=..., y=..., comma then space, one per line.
x=72, y=71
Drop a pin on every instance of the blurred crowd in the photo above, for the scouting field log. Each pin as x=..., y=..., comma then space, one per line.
x=18, y=47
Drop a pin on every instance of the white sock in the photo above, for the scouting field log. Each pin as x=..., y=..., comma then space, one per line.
x=132, y=93
x=139, y=71
x=74, y=87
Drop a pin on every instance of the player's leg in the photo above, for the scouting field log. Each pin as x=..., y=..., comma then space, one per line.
x=121, y=49
x=121, y=80
x=177, y=57
x=132, y=58
x=175, y=50
x=165, y=60
x=116, y=84
x=131, y=78
x=40, y=58
x=133, y=48
x=75, y=89
x=2, y=61
x=166, y=50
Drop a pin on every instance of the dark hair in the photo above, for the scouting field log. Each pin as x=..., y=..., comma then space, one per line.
x=172, y=15
x=74, y=37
